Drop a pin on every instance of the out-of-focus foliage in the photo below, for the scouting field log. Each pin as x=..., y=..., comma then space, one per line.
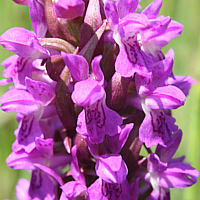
x=187, y=62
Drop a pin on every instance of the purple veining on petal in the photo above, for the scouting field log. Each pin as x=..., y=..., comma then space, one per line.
x=158, y=27
x=160, y=126
x=98, y=121
x=36, y=180
x=132, y=48
x=20, y=64
x=41, y=92
x=131, y=58
x=157, y=128
x=88, y=115
x=158, y=122
x=106, y=189
x=101, y=190
x=97, y=114
x=16, y=69
x=111, y=190
x=25, y=128
x=144, y=84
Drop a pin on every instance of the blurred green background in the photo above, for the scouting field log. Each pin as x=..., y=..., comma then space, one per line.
x=187, y=62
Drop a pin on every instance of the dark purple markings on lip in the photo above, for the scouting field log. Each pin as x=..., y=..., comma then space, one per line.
x=43, y=92
x=134, y=52
x=88, y=115
x=21, y=62
x=40, y=89
x=111, y=190
x=36, y=179
x=132, y=48
x=160, y=55
x=25, y=129
x=96, y=113
x=159, y=124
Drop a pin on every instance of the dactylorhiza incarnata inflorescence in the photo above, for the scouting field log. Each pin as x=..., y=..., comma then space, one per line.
x=90, y=87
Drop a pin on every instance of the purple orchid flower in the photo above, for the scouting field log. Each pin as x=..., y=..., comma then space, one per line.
x=77, y=188
x=112, y=182
x=125, y=26
x=69, y=9
x=164, y=172
x=73, y=189
x=41, y=186
x=139, y=36
x=111, y=169
x=18, y=68
x=96, y=120
x=31, y=105
x=112, y=188
x=162, y=31
x=102, y=190
x=153, y=97
x=42, y=154
x=27, y=46
x=44, y=165
x=130, y=81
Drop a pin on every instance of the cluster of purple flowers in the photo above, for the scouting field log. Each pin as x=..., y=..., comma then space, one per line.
x=91, y=86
